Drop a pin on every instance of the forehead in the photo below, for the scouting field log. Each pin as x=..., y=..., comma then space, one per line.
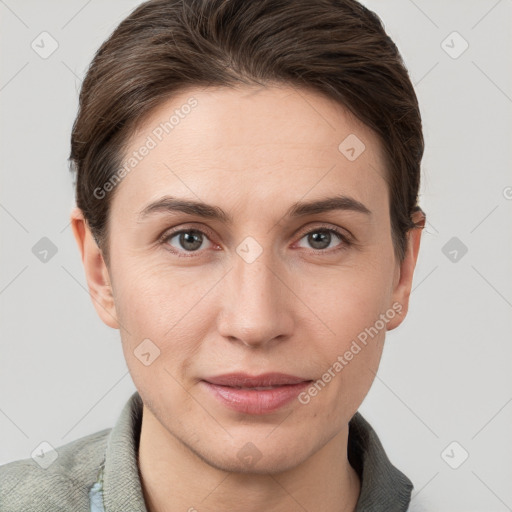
x=252, y=142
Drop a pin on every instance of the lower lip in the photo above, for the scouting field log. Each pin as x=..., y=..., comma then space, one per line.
x=250, y=401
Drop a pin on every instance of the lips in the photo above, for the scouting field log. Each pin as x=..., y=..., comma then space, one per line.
x=261, y=394
x=244, y=380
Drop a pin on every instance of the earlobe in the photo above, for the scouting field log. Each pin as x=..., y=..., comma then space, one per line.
x=403, y=284
x=96, y=271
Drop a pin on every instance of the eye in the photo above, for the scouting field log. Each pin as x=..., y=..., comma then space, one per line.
x=320, y=239
x=185, y=240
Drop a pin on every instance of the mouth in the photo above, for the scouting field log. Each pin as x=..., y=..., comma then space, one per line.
x=260, y=394
x=266, y=380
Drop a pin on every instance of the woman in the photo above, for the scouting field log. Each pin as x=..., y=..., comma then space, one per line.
x=247, y=185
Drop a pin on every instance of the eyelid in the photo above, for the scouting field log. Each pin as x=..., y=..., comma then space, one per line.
x=346, y=240
x=185, y=227
x=344, y=233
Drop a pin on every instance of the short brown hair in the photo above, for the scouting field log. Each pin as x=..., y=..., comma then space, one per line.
x=336, y=47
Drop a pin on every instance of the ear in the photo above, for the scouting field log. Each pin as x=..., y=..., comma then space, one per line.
x=96, y=272
x=405, y=271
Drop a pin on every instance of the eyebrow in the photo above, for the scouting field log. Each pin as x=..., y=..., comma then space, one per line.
x=169, y=204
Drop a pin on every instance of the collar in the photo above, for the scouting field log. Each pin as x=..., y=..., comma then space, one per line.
x=383, y=486
x=122, y=490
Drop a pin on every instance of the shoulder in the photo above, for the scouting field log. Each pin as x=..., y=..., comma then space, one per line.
x=64, y=485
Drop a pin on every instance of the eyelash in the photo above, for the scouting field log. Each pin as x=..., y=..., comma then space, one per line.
x=346, y=242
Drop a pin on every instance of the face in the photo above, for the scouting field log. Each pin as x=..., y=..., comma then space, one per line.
x=255, y=282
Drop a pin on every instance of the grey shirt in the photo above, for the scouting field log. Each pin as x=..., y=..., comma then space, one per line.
x=100, y=472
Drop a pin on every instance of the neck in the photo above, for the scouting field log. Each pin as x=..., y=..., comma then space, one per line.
x=175, y=479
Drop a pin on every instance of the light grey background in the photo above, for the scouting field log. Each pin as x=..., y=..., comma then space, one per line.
x=446, y=372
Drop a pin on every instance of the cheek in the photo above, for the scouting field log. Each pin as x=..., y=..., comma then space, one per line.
x=152, y=299
x=151, y=314
x=158, y=338
x=349, y=339
x=348, y=299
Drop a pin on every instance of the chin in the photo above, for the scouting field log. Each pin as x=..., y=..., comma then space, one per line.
x=263, y=465
x=255, y=454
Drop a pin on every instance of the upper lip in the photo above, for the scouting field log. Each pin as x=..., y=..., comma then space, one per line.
x=253, y=381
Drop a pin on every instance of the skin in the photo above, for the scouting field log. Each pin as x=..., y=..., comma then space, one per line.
x=253, y=152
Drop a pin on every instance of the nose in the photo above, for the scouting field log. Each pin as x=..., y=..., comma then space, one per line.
x=256, y=302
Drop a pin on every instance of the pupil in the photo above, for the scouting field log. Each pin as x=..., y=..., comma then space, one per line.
x=191, y=237
x=320, y=237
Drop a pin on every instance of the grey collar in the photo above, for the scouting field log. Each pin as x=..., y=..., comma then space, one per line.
x=384, y=488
